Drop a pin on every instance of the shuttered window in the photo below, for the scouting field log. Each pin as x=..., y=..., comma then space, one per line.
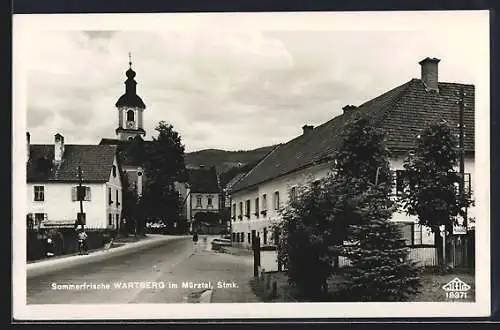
x=87, y=193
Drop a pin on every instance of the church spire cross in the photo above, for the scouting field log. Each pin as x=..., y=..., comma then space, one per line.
x=130, y=60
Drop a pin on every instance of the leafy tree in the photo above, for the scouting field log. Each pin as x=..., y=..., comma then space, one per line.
x=164, y=166
x=130, y=205
x=303, y=245
x=364, y=156
x=431, y=182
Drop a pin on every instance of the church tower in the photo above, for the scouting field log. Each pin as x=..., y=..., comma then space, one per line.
x=130, y=109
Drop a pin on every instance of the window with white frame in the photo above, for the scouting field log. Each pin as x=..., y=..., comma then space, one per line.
x=417, y=234
x=210, y=201
x=466, y=182
x=276, y=200
x=247, y=208
x=257, y=207
x=234, y=210
x=117, y=197
x=39, y=193
x=86, y=193
x=110, y=196
x=240, y=216
x=293, y=194
x=264, y=202
x=401, y=180
x=198, y=201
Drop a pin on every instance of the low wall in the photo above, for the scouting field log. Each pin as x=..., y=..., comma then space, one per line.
x=64, y=241
x=425, y=256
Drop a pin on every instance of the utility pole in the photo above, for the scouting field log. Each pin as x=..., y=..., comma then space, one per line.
x=461, y=136
x=80, y=195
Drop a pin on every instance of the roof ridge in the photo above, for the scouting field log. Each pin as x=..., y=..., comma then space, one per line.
x=388, y=108
x=257, y=165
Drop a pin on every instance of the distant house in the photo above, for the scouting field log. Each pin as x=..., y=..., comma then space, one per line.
x=401, y=112
x=52, y=180
x=202, y=198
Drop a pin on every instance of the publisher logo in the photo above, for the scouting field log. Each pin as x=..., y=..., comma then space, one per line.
x=456, y=289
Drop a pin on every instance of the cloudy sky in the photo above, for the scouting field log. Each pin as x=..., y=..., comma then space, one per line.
x=232, y=82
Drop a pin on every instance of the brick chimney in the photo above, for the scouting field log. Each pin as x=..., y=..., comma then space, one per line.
x=58, y=148
x=349, y=107
x=429, y=74
x=28, y=137
x=306, y=129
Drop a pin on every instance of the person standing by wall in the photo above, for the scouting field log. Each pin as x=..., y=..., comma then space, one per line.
x=82, y=241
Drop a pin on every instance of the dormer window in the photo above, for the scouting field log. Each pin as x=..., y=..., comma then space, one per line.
x=113, y=169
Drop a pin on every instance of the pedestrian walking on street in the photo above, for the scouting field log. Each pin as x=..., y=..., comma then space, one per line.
x=82, y=241
x=195, y=238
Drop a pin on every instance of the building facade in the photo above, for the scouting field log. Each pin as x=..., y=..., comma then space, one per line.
x=52, y=181
x=203, y=198
x=402, y=113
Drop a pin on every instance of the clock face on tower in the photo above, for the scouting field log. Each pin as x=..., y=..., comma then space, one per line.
x=130, y=124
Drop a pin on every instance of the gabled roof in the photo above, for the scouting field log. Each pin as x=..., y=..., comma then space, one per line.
x=234, y=180
x=203, y=180
x=95, y=160
x=401, y=112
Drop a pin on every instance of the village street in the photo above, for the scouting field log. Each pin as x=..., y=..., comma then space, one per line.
x=153, y=275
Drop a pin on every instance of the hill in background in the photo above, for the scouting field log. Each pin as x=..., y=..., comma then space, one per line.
x=227, y=163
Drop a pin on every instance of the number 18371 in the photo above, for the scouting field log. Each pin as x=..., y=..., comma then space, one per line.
x=456, y=295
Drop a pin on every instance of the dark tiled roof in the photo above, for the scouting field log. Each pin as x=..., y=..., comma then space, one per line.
x=203, y=180
x=401, y=112
x=131, y=100
x=234, y=180
x=125, y=151
x=95, y=160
